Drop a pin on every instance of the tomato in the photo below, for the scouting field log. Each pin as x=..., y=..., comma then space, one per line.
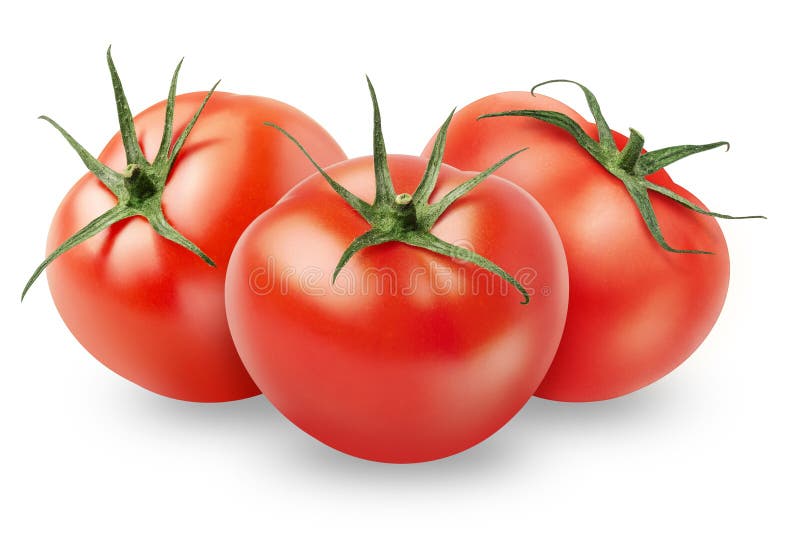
x=147, y=308
x=636, y=310
x=411, y=355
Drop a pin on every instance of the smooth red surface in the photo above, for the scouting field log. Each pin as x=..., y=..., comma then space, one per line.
x=147, y=308
x=410, y=373
x=636, y=311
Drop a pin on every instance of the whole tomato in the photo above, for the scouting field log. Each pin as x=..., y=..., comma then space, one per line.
x=648, y=265
x=133, y=290
x=420, y=348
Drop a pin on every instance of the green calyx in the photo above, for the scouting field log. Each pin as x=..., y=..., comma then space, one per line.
x=140, y=186
x=629, y=165
x=408, y=218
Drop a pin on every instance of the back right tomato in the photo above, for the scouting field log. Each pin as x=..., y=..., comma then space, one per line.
x=648, y=265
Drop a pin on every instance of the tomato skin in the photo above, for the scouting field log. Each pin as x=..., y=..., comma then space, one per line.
x=148, y=309
x=636, y=311
x=396, y=375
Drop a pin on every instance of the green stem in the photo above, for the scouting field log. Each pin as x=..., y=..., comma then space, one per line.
x=138, y=183
x=406, y=212
x=631, y=152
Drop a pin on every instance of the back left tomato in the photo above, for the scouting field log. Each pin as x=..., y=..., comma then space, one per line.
x=133, y=290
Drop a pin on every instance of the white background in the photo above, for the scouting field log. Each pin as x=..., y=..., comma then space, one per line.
x=712, y=447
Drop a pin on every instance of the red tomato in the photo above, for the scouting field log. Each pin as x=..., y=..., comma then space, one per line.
x=636, y=311
x=147, y=308
x=411, y=355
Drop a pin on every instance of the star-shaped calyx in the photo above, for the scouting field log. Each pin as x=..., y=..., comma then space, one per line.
x=629, y=165
x=140, y=186
x=408, y=218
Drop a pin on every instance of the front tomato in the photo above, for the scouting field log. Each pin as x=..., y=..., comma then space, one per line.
x=411, y=355
x=140, y=302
